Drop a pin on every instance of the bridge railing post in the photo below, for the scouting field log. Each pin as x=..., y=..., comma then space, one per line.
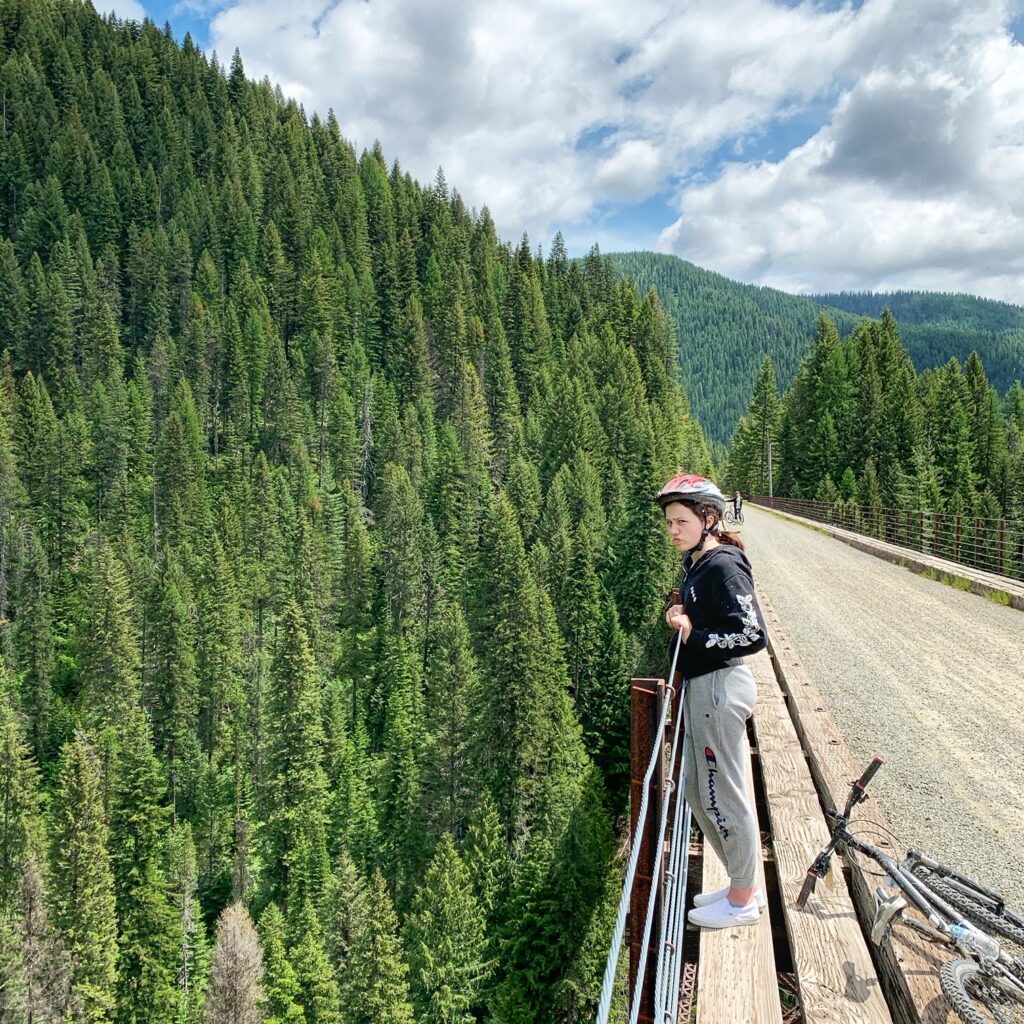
x=647, y=697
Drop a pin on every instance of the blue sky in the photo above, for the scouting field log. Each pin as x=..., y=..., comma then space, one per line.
x=184, y=19
x=806, y=145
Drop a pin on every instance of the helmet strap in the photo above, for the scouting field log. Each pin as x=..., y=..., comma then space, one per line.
x=708, y=531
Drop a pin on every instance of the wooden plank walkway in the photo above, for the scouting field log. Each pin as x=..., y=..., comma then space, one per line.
x=908, y=963
x=836, y=977
x=803, y=761
x=736, y=979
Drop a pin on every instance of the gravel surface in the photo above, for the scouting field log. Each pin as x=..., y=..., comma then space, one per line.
x=928, y=676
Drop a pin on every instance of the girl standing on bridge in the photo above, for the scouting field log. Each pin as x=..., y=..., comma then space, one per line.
x=719, y=622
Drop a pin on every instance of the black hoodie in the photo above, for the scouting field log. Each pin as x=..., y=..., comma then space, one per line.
x=718, y=596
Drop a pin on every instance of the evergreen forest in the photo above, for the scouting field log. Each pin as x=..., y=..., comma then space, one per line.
x=859, y=425
x=327, y=550
x=725, y=329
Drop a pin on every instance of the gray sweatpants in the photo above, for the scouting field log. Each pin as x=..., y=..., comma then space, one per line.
x=716, y=707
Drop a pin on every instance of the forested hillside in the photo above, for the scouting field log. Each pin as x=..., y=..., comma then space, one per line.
x=725, y=329
x=327, y=550
x=859, y=425
x=938, y=326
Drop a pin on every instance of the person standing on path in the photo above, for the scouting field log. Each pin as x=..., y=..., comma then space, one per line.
x=719, y=623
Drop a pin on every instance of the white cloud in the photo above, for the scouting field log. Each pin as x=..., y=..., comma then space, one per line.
x=549, y=111
x=913, y=183
x=633, y=172
x=502, y=92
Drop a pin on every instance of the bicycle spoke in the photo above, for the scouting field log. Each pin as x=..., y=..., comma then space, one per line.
x=993, y=1002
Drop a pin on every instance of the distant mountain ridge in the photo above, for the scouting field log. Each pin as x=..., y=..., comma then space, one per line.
x=914, y=307
x=725, y=329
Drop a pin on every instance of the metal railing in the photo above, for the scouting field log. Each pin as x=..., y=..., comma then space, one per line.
x=656, y=985
x=993, y=545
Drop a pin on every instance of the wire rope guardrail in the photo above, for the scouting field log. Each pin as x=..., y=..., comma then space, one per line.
x=670, y=787
x=990, y=544
x=670, y=959
x=671, y=917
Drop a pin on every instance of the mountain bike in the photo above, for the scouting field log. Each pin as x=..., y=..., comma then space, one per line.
x=732, y=517
x=984, y=984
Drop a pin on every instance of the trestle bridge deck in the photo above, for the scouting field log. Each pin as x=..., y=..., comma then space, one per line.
x=815, y=966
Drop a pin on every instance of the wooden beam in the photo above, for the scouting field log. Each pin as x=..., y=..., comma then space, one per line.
x=908, y=963
x=737, y=981
x=837, y=979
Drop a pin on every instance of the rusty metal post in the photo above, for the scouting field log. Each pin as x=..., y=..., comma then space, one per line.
x=647, y=697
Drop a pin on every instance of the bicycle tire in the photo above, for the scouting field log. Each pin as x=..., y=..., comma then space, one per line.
x=974, y=911
x=979, y=998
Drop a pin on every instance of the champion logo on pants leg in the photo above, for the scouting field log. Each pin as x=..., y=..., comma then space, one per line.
x=713, y=808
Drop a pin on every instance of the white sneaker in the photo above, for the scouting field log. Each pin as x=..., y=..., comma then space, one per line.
x=722, y=914
x=705, y=899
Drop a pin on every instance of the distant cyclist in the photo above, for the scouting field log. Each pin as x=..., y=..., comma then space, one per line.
x=737, y=505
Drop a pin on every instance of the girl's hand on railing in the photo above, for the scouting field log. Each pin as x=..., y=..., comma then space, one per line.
x=678, y=619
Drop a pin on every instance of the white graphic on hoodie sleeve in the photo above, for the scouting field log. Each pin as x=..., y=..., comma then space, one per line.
x=751, y=632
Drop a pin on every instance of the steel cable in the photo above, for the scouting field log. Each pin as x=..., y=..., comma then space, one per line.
x=677, y=964
x=670, y=948
x=608, y=984
x=634, y=1013
x=668, y=910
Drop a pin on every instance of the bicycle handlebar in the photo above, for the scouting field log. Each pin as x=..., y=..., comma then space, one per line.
x=839, y=833
x=869, y=773
x=806, y=889
x=858, y=790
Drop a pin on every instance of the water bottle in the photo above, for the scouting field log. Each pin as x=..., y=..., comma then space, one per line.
x=970, y=937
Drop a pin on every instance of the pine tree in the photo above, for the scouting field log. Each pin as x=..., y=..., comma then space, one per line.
x=193, y=957
x=150, y=939
x=401, y=526
x=34, y=643
x=401, y=797
x=280, y=981
x=19, y=799
x=219, y=659
x=445, y=940
x=343, y=910
x=181, y=500
x=296, y=785
x=551, y=912
x=524, y=491
x=83, y=884
x=44, y=968
x=527, y=739
x=749, y=472
x=108, y=656
x=451, y=679
x=174, y=688
x=375, y=984
x=319, y=993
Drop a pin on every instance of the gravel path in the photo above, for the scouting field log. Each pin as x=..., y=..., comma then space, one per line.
x=929, y=677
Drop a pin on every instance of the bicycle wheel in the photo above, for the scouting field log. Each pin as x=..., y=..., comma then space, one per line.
x=971, y=908
x=980, y=998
